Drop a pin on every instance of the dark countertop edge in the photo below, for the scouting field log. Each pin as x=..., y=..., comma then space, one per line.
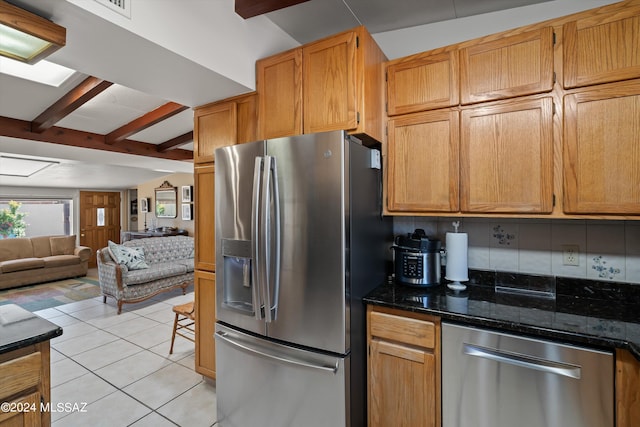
x=567, y=337
x=35, y=339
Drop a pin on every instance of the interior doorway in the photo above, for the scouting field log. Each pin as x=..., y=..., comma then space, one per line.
x=99, y=220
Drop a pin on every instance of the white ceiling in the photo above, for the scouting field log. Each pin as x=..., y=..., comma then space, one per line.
x=191, y=52
x=315, y=19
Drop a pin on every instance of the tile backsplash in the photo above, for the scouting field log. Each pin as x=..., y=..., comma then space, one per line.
x=606, y=250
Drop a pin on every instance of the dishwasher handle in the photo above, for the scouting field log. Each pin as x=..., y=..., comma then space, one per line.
x=524, y=361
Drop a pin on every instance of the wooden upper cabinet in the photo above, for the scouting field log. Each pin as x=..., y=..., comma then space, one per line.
x=602, y=150
x=602, y=49
x=423, y=158
x=227, y=122
x=279, y=87
x=246, y=118
x=330, y=84
x=425, y=81
x=343, y=84
x=512, y=66
x=214, y=126
x=506, y=157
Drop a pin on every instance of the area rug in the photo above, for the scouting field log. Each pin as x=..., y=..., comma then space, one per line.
x=51, y=294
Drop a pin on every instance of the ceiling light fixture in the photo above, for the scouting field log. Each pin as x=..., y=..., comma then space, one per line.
x=27, y=37
x=44, y=72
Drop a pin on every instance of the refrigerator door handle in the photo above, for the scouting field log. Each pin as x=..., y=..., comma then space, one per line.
x=256, y=255
x=271, y=259
x=523, y=361
x=230, y=339
x=275, y=265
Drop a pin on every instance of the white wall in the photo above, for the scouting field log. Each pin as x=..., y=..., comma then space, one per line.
x=609, y=250
x=147, y=189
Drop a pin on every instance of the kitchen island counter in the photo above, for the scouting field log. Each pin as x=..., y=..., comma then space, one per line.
x=600, y=314
x=20, y=328
x=25, y=364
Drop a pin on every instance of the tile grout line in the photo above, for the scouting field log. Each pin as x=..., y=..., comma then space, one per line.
x=141, y=349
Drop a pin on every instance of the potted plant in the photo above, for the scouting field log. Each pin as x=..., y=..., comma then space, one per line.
x=12, y=222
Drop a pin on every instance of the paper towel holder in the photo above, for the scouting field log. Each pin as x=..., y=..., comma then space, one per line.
x=460, y=271
x=456, y=285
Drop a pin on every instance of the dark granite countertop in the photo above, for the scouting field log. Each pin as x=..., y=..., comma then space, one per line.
x=599, y=314
x=20, y=328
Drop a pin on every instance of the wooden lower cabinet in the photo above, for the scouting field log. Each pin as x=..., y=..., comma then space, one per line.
x=627, y=389
x=25, y=418
x=25, y=384
x=205, y=301
x=403, y=368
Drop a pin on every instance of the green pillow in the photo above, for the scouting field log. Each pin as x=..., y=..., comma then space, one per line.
x=132, y=258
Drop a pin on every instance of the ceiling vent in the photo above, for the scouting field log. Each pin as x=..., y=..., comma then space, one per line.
x=123, y=7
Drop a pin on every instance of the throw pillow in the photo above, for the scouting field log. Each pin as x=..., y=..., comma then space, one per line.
x=62, y=245
x=132, y=258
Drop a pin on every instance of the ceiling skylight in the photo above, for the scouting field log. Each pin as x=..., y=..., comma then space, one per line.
x=44, y=72
x=22, y=167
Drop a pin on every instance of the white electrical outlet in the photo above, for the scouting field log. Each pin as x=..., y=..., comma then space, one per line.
x=571, y=255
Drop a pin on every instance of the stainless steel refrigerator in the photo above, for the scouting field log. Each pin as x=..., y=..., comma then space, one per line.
x=300, y=239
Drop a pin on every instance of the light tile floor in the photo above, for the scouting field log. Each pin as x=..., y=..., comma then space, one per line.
x=120, y=367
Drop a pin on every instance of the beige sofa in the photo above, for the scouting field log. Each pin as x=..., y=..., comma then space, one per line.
x=29, y=260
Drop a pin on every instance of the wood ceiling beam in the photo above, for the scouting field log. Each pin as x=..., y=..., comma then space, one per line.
x=251, y=8
x=21, y=129
x=71, y=101
x=175, y=142
x=141, y=123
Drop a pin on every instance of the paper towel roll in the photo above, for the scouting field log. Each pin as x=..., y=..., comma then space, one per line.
x=457, y=269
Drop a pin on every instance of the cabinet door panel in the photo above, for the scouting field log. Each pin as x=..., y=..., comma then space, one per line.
x=247, y=118
x=423, y=82
x=204, y=191
x=205, y=313
x=329, y=84
x=602, y=150
x=25, y=418
x=214, y=126
x=627, y=389
x=507, y=157
x=279, y=87
x=512, y=66
x=20, y=374
x=402, y=386
x=423, y=153
x=600, y=51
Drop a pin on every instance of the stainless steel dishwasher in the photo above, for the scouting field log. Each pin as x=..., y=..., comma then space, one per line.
x=491, y=379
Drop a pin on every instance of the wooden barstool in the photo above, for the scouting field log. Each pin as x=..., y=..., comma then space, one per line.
x=185, y=319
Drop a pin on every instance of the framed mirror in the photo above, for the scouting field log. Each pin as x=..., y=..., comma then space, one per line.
x=166, y=201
